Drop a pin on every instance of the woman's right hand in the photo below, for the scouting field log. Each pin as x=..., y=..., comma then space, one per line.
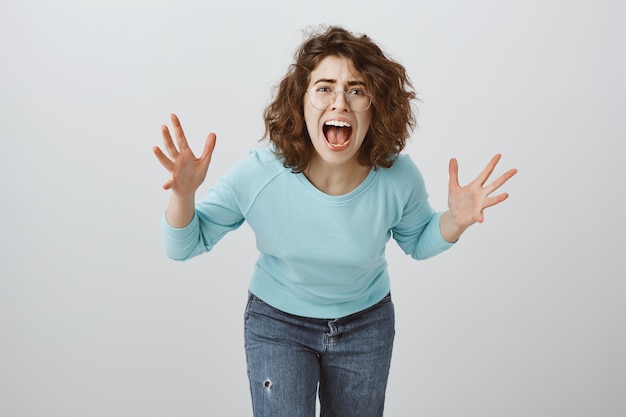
x=186, y=171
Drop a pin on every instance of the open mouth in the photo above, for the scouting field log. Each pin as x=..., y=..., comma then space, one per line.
x=337, y=134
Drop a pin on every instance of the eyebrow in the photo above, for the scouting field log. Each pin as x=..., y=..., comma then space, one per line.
x=332, y=81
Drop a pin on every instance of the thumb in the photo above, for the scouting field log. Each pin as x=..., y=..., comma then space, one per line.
x=209, y=146
x=453, y=169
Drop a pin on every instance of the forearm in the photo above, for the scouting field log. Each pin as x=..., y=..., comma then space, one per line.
x=180, y=211
x=450, y=231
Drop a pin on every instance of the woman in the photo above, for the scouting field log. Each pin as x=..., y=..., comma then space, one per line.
x=323, y=200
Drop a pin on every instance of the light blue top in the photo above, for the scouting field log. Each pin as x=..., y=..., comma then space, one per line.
x=321, y=256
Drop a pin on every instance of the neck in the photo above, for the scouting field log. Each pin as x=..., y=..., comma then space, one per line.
x=335, y=179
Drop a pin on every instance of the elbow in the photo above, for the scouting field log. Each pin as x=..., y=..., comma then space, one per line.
x=422, y=256
x=182, y=254
x=177, y=255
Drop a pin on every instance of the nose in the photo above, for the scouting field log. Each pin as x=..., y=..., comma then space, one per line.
x=340, y=102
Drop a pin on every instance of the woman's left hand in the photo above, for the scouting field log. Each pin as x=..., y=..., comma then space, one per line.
x=467, y=203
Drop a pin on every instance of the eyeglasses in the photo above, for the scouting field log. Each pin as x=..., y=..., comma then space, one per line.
x=322, y=97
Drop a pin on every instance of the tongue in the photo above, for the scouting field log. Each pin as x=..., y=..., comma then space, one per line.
x=337, y=135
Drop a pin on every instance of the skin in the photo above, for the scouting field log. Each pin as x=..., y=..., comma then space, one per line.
x=187, y=172
x=466, y=204
x=335, y=172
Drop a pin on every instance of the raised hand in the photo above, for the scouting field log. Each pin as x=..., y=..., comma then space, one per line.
x=186, y=171
x=467, y=203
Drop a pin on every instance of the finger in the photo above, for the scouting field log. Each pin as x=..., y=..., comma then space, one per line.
x=453, y=169
x=209, y=146
x=498, y=182
x=163, y=159
x=167, y=141
x=492, y=201
x=486, y=172
x=181, y=141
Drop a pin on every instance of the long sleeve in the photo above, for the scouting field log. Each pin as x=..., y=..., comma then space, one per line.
x=417, y=232
x=215, y=215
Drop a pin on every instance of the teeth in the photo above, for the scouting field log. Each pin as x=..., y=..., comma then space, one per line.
x=337, y=123
x=336, y=145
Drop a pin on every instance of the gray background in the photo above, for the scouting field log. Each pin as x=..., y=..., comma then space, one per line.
x=524, y=317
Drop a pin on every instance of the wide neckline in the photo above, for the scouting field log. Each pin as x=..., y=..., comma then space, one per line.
x=364, y=185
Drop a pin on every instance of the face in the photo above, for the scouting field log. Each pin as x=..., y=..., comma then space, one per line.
x=336, y=132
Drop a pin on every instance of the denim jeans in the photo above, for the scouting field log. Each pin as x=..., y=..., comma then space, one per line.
x=292, y=359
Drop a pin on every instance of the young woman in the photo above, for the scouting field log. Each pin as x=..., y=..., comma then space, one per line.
x=323, y=200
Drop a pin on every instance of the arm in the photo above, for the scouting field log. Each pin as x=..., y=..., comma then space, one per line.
x=467, y=203
x=417, y=232
x=186, y=172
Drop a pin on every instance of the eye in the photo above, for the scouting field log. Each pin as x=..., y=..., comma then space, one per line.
x=323, y=89
x=356, y=92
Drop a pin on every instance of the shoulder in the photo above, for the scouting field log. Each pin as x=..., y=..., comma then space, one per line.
x=403, y=168
x=264, y=155
x=259, y=161
x=254, y=171
x=243, y=182
x=403, y=181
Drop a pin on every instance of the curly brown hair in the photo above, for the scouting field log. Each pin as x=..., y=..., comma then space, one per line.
x=393, y=118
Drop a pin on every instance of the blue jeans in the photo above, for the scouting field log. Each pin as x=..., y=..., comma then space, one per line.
x=290, y=359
